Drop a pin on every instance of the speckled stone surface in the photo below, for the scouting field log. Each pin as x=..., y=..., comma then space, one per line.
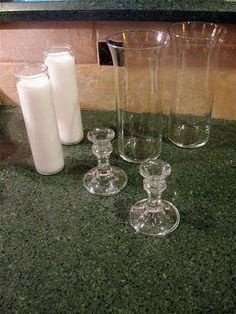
x=65, y=251
x=138, y=10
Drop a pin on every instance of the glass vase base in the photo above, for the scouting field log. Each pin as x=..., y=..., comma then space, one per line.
x=190, y=146
x=137, y=161
x=97, y=183
x=154, y=221
x=137, y=150
x=192, y=134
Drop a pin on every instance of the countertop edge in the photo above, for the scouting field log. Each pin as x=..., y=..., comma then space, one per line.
x=61, y=11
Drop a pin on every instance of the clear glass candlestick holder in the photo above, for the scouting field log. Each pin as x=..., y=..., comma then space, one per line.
x=104, y=179
x=153, y=215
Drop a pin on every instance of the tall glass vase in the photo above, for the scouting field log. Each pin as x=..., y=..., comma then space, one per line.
x=196, y=46
x=136, y=55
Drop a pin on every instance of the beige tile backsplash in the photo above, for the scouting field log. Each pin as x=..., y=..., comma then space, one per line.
x=25, y=41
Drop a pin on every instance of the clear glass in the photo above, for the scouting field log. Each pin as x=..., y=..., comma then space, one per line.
x=153, y=215
x=136, y=55
x=62, y=72
x=104, y=179
x=195, y=52
x=34, y=90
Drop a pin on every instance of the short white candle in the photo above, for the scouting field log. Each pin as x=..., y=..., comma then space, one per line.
x=62, y=73
x=36, y=102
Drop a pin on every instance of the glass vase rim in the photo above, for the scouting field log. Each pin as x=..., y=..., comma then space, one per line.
x=40, y=69
x=216, y=25
x=114, y=43
x=59, y=48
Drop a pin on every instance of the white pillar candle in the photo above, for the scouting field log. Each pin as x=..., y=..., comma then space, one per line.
x=34, y=90
x=63, y=77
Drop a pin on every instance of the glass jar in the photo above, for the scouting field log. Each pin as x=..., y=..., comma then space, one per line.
x=34, y=90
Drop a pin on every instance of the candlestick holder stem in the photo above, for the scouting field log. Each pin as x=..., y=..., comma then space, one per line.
x=103, y=179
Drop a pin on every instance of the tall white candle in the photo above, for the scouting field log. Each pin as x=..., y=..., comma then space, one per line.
x=34, y=90
x=62, y=73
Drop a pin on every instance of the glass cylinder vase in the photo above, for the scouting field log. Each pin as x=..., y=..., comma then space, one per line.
x=195, y=53
x=136, y=55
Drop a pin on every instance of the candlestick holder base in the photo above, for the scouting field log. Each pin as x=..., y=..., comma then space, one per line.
x=109, y=184
x=154, y=221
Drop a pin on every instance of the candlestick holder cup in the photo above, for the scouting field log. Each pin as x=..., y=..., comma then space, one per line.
x=104, y=179
x=153, y=215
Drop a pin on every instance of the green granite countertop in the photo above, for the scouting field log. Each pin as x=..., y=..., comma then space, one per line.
x=66, y=251
x=138, y=10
